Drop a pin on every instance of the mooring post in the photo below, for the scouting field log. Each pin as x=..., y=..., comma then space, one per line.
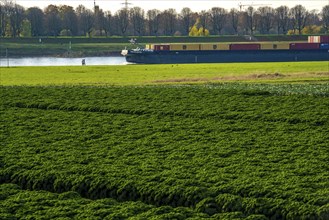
x=7, y=57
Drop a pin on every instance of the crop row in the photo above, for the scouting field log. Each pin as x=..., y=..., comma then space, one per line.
x=208, y=149
x=17, y=204
x=231, y=102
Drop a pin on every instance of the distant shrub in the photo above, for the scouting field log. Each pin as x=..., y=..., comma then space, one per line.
x=98, y=33
x=65, y=32
x=177, y=33
x=312, y=29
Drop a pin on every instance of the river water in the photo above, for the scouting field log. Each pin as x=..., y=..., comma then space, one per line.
x=56, y=61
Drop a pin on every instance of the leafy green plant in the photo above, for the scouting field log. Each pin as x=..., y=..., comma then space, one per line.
x=243, y=150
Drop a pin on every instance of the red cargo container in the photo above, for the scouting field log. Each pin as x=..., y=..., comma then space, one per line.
x=318, y=39
x=245, y=47
x=304, y=46
x=324, y=39
x=161, y=47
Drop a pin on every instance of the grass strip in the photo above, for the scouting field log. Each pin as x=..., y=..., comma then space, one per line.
x=166, y=74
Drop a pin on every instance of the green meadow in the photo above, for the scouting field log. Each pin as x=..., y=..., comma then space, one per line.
x=166, y=74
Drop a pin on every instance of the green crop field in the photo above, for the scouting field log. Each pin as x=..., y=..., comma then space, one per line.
x=107, y=143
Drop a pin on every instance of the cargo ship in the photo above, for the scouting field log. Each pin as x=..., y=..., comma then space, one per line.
x=315, y=49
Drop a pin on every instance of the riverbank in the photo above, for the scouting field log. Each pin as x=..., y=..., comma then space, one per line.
x=82, y=47
x=15, y=50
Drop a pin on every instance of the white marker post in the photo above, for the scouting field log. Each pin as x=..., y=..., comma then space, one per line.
x=7, y=57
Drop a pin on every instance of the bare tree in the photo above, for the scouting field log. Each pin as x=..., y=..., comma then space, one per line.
x=257, y=21
x=3, y=18
x=115, y=25
x=204, y=20
x=282, y=19
x=234, y=15
x=85, y=20
x=266, y=21
x=108, y=23
x=314, y=18
x=100, y=21
x=153, y=17
x=250, y=15
x=169, y=21
x=82, y=21
x=299, y=16
x=218, y=18
x=123, y=19
x=137, y=16
x=69, y=19
x=36, y=18
x=186, y=16
x=242, y=23
x=52, y=20
x=325, y=18
x=16, y=16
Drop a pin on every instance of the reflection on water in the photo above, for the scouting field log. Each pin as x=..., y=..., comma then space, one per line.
x=55, y=61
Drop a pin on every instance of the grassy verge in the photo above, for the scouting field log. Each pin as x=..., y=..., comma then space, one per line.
x=64, y=49
x=166, y=74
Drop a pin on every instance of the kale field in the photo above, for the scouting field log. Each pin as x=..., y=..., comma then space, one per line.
x=215, y=151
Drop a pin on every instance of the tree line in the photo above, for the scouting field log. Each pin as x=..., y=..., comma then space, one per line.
x=64, y=20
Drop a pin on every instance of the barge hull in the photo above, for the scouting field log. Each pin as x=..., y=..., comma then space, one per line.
x=173, y=57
